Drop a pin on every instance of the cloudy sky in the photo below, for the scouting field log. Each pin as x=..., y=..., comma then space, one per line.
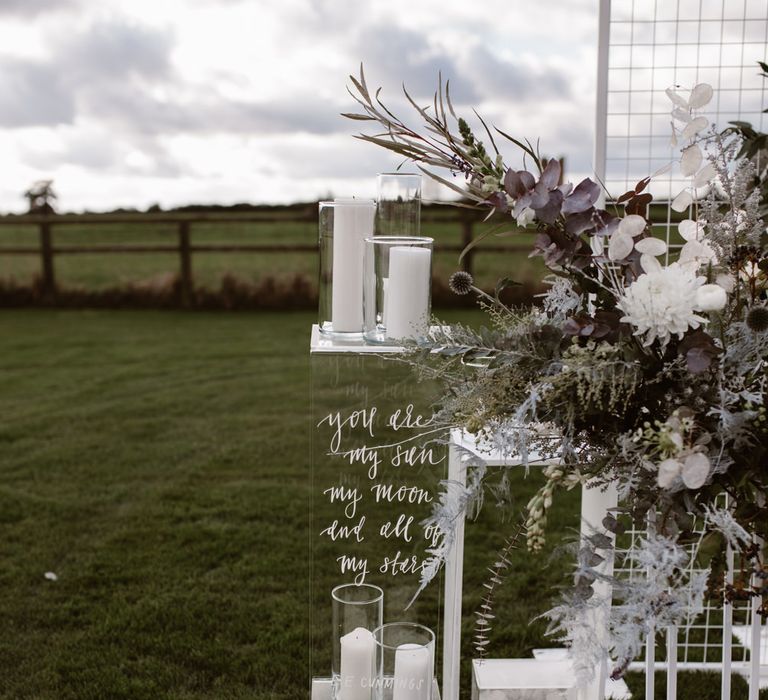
x=132, y=102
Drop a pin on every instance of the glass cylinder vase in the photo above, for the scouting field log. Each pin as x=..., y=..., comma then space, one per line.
x=357, y=611
x=343, y=227
x=405, y=661
x=399, y=204
x=397, y=288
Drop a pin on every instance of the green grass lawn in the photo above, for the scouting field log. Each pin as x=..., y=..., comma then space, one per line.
x=157, y=463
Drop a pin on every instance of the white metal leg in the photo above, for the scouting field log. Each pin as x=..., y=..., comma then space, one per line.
x=672, y=663
x=754, y=652
x=650, y=665
x=650, y=642
x=454, y=566
x=725, y=685
x=595, y=504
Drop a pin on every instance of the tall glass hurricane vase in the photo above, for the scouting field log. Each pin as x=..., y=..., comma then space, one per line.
x=357, y=612
x=399, y=205
x=397, y=288
x=343, y=227
x=405, y=661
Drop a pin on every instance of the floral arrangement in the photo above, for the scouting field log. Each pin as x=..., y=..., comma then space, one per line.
x=642, y=366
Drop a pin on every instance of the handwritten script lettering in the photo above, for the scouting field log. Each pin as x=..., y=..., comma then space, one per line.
x=387, y=463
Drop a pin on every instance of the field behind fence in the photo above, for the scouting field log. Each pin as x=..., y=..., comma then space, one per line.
x=265, y=258
x=261, y=258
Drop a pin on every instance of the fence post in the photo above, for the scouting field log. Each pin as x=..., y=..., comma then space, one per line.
x=185, y=265
x=48, y=278
x=466, y=239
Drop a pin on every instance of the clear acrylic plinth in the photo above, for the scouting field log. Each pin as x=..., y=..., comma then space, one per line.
x=547, y=676
x=320, y=342
x=322, y=689
x=376, y=468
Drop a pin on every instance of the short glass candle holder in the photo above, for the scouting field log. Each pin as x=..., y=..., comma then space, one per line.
x=399, y=204
x=357, y=611
x=405, y=661
x=343, y=227
x=397, y=288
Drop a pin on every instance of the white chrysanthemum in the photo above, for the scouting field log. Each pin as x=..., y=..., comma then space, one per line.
x=662, y=303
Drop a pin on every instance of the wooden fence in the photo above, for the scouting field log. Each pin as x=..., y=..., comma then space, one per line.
x=48, y=250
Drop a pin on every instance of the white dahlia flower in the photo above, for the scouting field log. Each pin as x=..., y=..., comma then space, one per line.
x=663, y=302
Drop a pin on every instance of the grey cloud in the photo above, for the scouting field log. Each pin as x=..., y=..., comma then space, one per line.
x=95, y=151
x=116, y=51
x=394, y=54
x=109, y=70
x=37, y=93
x=30, y=8
x=576, y=142
x=33, y=94
x=138, y=111
x=332, y=160
x=501, y=78
x=391, y=54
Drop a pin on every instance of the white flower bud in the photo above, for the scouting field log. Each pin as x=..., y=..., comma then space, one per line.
x=669, y=470
x=711, y=297
x=526, y=217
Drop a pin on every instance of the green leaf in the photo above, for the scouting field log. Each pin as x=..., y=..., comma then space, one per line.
x=359, y=117
x=528, y=149
x=504, y=283
x=475, y=241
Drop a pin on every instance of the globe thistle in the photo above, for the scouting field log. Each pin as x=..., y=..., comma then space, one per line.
x=460, y=283
x=757, y=319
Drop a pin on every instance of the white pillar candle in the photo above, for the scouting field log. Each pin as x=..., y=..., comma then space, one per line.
x=413, y=672
x=385, y=287
x=352, y=224
x=357, y=665
x=407, y=304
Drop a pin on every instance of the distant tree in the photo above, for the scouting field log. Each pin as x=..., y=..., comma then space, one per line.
x=41, y=197
x=154, y=208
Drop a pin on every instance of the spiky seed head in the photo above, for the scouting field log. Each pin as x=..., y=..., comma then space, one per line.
x=460, y=283
x=757, y=319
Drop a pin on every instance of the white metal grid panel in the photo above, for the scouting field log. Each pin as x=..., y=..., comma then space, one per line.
x=658, y=44
x=653, y=45
x=701, y=642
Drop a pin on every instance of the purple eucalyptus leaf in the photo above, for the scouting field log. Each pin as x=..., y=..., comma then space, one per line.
x=590, y=187
x=528, y=180
x=539, y=196
x=572, y=327
x=522, y=203
x=576, y=203
x=513, y=184
x=600, y=331
x=699, y=350
x=498, y=200
x=605, y=222
x=582, y=198
x=697, y=360
x=576, y=224
x=551, y=174
x=551, y=210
